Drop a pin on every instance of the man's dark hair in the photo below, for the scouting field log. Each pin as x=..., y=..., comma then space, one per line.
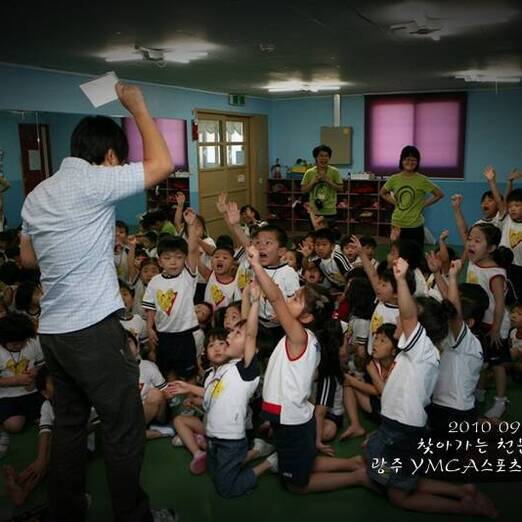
x=172, y=244
x=321, y=148
x=280, y=234
x=94, y=136
x=16, y=327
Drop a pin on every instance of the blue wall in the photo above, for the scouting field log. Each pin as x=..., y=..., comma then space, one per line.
x=37, y=90
x=493, y=136
x=492, y=131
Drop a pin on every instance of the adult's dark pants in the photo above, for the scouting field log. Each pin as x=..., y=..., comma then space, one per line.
x=413, y=234
x=94, y=367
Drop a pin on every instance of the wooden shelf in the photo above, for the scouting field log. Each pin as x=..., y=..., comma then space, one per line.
x=295, y=219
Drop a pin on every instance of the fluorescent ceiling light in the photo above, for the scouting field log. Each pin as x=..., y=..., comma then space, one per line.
x=300, y=86
x=487, y=79
x=174, y=51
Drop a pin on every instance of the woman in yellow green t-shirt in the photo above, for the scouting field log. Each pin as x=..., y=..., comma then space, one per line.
x=407, y=192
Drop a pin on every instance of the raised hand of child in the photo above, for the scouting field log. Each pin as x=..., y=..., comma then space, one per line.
x=253, y=255
x=514, y=175
x=233, y=214
x=489, y=173
x=180, y=198
x=190, y=216
x=456, y=200
x=153, y=338
x=221, y=202
x=255, y=291
x=444, y=235
x=434, y=263
x=356, y=244
x=130, y=97
x=455, y=268
x=305, y=249
x=400, y=267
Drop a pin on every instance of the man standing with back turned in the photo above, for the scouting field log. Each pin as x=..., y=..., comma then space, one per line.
x=68, y=230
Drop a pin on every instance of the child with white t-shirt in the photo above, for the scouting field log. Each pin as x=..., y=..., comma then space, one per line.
x=222, y=288
x=168, y=300
x=148, y=269
x=461, y=362
x=515, y=339
x=228, y=387
x=423, y=325
x=385, y=288
x=130, y=321
x=271, y=241
x=307, y=321
x=20, y=356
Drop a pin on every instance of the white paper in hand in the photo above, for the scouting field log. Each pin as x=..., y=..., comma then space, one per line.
x=101, y=90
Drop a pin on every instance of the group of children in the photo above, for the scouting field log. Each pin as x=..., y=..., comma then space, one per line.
x=286, y=339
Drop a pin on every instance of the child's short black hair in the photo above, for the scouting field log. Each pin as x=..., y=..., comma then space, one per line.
x=40, y=380
x=244, y=208
x=325, y=233
x=94, y=136
x=345, y=240
x=488, y=194
x=476, y=294
x=321, y=148
x=16, y=327
x=24, y=295
x=224, y=241
x=368, y=241
x=124, y=285
x=226, y=248
x=210, y=308
x=173, y=244
x=388, y=329
x=12, y=252
x=10, y=273
x=434, y=316
x=386, y=274
x=361, y=297
x=514, y=195
x=151, y=236
x=122, y=224
x=280, y=234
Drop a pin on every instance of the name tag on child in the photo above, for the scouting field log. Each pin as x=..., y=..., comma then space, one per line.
x=101, y=90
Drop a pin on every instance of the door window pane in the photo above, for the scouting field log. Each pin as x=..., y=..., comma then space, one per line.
x=210, y=156
x=235, y=131
x=236, y=155
x=209, y=131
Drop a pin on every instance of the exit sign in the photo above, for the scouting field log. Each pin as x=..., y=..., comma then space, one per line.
x=236, y=99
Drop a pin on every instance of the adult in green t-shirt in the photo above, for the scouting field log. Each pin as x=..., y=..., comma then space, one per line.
x=407, y=192
x=323, y=182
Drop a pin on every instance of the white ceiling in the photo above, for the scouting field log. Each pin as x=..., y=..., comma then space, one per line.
x=251, y=44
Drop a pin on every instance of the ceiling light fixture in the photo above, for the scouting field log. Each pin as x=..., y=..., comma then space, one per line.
x=159, y=56
x=299, y=86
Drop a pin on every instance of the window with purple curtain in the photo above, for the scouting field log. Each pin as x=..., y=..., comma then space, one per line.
x=434, y=123
x=174, y=132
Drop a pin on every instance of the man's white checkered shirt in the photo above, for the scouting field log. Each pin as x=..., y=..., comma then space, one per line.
x=70, y=219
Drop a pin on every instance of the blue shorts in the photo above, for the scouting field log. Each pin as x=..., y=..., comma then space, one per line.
x=393, y=444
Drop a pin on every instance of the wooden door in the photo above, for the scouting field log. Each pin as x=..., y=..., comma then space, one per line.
x=36, y=154
x=259, y=167
x=223, y=163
